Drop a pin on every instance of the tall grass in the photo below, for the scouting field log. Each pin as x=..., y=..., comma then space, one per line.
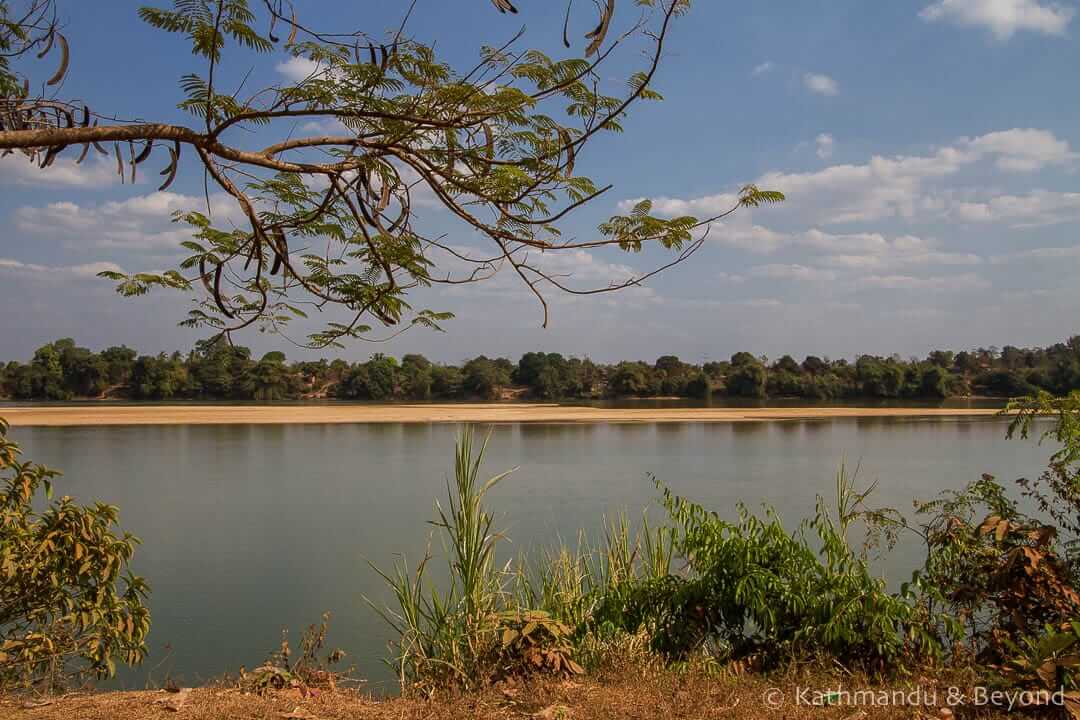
x=443, y=635
x=495, y=618
x=570, y=582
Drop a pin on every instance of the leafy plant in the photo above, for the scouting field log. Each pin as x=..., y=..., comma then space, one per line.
x=69, y=606
x=1056, y=492
x=752, y=589
x=530, y=642
x=309, y=672
x=997, y=572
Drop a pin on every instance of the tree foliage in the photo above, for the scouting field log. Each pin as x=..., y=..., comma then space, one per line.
x=68, y=603
x=62, y=370
x=496, y=144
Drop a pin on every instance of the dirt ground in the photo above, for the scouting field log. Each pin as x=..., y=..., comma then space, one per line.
x=107, y=414
x=630, y=697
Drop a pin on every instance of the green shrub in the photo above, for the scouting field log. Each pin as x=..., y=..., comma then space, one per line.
x=754, y=589
x=68, y=604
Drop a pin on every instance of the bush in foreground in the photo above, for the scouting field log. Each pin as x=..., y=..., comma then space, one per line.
x=69, y=606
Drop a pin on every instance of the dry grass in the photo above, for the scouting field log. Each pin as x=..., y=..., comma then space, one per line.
x=626, y=695
x=106, y=414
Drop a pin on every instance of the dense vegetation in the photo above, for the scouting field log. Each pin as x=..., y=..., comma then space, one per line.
x=996, y=597
x=62, y=370
x=69, y=607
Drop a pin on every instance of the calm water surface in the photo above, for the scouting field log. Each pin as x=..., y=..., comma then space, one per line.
x=247, y=530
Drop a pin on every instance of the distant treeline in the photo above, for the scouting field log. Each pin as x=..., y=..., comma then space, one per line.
x=62, y=371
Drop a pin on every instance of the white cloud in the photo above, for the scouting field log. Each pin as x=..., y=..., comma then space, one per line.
x=576, y=269
x=883, y=187
x=1003, y=18
x=859, y=252
x=887, y=187
x=966, y=281
x=94, y=172
x=143, y=222
x=825, y=144
x=297, y=69
x=1024, y=149
x=698, y=207
x=85, y=270
x=753, y=238
x=1038, y=254
x=820, y=84
x=1037, y=208
x=851, y=242
x=763, y=68
x=778, y=271
x=760, y=303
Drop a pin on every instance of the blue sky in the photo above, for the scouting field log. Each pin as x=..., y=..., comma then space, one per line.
x=928, y=149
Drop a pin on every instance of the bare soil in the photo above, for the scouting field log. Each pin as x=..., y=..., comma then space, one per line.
x=439, y=413
x=631, y=695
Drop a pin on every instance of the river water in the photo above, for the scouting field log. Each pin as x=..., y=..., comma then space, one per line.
x=248, y=530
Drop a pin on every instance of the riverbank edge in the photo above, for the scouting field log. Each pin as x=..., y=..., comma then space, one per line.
x=75, y=416
x=643, y=696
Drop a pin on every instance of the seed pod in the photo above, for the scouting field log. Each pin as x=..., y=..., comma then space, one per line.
x=504, y=6
x=566, y=25
x=48, y=43
x=146, y=152
x=217, y=291
x=51, y=154
x=451, y=144
x=65, y=57
x=384, y=196
x=600, y=32
x=205, y=276
x=251, y=253
x=371, y=49
x=270, y=32
x=571, y=156
x=86, y=116
x=385, y=57
x=131, y=151
x=119, y=162
x=171, y=170
x=279, y=247
x=292, y=33
x=26, y=87
x=82, y=155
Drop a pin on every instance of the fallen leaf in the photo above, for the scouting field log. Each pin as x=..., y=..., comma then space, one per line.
x=298, y=713
x=175, y=703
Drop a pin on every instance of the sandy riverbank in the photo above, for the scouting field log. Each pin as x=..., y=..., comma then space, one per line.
x=450, y=413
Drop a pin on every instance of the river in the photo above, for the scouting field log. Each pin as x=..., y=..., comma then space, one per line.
x=247, y=530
